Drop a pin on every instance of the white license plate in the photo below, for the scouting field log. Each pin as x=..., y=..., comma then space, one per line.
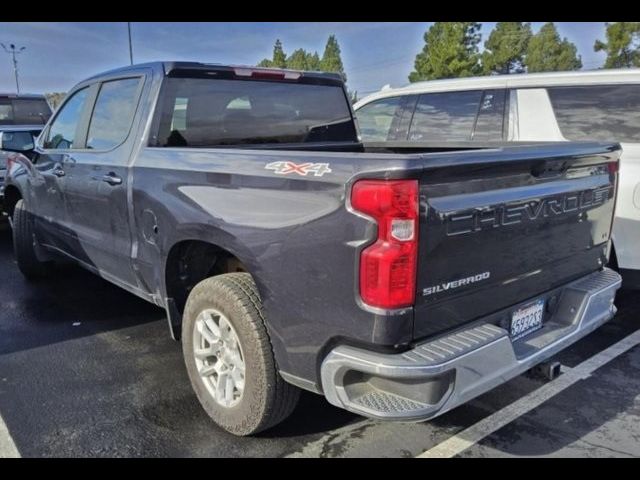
x=527, y=319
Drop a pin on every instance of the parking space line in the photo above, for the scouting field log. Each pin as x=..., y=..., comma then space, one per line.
x=7, y=447
x=477, y=432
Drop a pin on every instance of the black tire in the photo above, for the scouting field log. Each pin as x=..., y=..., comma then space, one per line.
x=267, y=399
x=24, y=245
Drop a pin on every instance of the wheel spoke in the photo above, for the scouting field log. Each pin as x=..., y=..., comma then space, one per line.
x=238, y=379
x=212, y=326
x=208, y=370
x=206, y=333
x=213, y=350
x=229, y=387
x=221, y=388
x=218, y=357
x=225, y=330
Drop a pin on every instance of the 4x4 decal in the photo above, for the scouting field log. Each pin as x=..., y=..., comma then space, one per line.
x=285, y=168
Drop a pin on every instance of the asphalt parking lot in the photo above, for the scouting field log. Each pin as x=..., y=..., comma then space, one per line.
x=87, y=369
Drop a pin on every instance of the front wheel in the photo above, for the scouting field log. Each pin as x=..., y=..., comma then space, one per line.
x=24, y=247
x=229, y=357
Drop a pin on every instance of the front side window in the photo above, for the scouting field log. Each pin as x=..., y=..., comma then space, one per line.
x=446, y=116
x=63, y=131
x=197, y=112
x=376, y=118
x=113, y=113
x=598, y=112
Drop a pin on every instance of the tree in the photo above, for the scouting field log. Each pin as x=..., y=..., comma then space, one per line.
x=331, y=60
x=451, y=50
x=313, y=61
x=506, y=47
x=55, y=98
x=623, y=45
x=279, y=59
x=298, y=60
x=547, y=52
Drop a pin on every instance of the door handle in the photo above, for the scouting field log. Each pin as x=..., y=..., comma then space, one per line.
x=58, y=171
x=112, y=179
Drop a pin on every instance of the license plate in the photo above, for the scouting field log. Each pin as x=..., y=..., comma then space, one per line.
x=526, y=320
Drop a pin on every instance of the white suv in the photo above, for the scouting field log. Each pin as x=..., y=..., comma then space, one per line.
x=559, y=106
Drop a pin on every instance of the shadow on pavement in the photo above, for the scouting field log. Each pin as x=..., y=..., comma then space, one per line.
x=44, y=312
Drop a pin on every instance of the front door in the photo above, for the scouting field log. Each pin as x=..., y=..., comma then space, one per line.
x=52, y=159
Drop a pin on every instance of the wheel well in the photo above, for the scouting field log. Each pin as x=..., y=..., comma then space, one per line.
x=189, y=262
x=11, y=197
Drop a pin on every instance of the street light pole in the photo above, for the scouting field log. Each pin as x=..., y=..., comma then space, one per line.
x=130, y=46
x=12, y=50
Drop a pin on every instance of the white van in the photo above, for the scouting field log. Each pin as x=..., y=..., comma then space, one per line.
x=558, y=106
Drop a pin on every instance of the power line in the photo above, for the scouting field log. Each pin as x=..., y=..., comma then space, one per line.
x=13, y=51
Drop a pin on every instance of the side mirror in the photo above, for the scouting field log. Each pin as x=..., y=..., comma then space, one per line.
x=21, y=142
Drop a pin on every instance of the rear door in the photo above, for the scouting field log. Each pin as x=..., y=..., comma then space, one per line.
x=96, y=191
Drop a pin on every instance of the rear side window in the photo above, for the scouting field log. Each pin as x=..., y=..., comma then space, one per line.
x=113, y=113
x=600, y=112
x=196, y=112
x=24, y=111
x=63, y=130
x=445, y=117
x=375, y=118
x=490, y=122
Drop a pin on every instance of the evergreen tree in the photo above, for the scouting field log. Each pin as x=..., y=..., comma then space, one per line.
x=298, y=60
x=623, y=45
x=313, y=61
x=331, y=60
x=279, y=59
x=547, y=52
x=451, y=50
x=506, y=47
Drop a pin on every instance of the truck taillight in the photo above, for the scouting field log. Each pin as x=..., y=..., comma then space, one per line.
x=388, y=266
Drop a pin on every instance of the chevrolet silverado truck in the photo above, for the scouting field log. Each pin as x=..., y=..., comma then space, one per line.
x=399, y=281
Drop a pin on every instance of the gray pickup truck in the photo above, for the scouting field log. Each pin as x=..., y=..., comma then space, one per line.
x=397, y=280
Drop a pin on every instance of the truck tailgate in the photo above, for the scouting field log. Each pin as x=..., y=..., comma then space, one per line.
x=493, y=234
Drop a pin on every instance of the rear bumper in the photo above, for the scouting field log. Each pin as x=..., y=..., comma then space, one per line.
x=440, y=374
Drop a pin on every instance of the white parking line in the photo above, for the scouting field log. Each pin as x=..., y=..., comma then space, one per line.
x=472, y=435
x=7, y=447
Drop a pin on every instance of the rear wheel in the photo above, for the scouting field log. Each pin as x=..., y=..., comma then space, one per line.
x=229, y=356
x=24, y=245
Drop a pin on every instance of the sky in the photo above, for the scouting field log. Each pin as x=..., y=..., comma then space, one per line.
x=58, y=55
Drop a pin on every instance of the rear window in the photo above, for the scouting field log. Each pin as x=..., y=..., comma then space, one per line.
x=24, y=111
x=602, y=112
x=195, y=112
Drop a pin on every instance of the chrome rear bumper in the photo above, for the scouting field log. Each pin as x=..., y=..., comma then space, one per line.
x=441, y=374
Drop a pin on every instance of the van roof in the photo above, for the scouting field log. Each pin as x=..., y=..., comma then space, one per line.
x=591, y=77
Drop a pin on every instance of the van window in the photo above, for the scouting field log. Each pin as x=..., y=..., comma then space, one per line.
x=448, y=116
x=375, y=119
x=490, y=123
x=598, y=112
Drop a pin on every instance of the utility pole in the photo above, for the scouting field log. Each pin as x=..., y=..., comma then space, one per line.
x=130, y=46
x=13, y=52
